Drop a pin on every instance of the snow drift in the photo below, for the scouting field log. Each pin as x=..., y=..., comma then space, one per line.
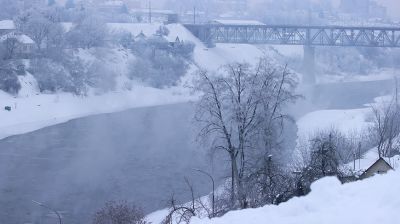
x=370, y=201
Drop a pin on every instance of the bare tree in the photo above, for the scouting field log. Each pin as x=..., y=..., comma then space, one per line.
x=38, y=28
x=119, y=213
x=90, y=32
x=9, y=45
x=386, y=127
x=240, y=106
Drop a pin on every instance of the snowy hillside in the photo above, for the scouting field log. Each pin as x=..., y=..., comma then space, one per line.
x=49, y=109
x=211, y=58
x=368, y=202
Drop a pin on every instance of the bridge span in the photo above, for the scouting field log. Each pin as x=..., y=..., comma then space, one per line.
x=307, y=36
x=343, y=36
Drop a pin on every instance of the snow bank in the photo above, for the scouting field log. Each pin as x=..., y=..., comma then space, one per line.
x=346, y=121
x=37, y=111
x=369, y=201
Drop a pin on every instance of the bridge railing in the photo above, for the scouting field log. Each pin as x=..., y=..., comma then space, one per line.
x=298, y=35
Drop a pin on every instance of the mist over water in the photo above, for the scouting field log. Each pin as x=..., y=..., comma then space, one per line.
x=140, y=156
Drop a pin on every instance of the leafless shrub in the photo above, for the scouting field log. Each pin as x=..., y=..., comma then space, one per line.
x=119, y=213
x=181, y=213
x=386, y=126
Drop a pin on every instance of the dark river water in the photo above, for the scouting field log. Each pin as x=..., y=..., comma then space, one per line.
x=140, y=155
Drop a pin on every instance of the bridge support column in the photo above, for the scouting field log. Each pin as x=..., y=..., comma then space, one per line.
x=309, y=65
x=206, y=37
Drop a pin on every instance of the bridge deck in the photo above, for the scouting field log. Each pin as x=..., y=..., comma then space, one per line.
x=350, y=36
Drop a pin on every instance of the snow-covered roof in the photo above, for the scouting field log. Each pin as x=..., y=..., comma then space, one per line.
x=113, y=3
x=7, y=25
x=153, y=11
x=22, y=38
x=237, y=22
x=141, y=36
x=25, y=39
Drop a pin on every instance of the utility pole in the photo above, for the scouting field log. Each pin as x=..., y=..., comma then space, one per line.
x=149, y=11
x=194, y=14
x=359, y=155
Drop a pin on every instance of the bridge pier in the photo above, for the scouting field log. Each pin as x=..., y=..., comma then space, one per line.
x=309, y=65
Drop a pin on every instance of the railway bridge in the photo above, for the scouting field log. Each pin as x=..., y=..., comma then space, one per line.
x=307, y=36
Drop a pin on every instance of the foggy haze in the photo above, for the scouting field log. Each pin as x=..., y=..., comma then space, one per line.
x=171, y=110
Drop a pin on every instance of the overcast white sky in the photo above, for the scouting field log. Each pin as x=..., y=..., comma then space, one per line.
x=393, y=7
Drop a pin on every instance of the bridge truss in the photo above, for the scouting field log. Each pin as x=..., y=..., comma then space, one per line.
x=298, y=35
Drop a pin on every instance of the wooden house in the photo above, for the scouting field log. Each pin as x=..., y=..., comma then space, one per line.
x=379, y=167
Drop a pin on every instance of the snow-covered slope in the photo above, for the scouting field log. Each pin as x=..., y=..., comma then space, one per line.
x=369, y=201
x=346, y=121
x=32, y=110
x=42, y=110
x=210, y=58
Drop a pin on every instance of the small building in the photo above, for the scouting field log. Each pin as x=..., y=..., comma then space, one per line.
x=6, y=26
x=23, y=46
x=176, y=43
x=140, y=37
x=379, y=167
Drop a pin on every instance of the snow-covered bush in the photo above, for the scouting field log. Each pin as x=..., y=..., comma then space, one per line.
x=101, y=76
x=159, y=63
x=89, y=32
x=68, y=74
x=162, y=31
x=123, y=38
x=163, y=70
x=9, y=72
x=51, y=76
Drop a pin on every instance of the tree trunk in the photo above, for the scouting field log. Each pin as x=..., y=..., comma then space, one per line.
x=238, y=194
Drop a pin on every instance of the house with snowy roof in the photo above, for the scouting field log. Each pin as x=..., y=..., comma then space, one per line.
x=369, y=166
x=18, y=45
x=176, y=43
x=6, y=26
x=381, y=166
x=141, y=37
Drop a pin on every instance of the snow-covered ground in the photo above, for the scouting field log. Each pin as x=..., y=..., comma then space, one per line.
x=369, y=201
x=346, y=121
x=42, y=110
